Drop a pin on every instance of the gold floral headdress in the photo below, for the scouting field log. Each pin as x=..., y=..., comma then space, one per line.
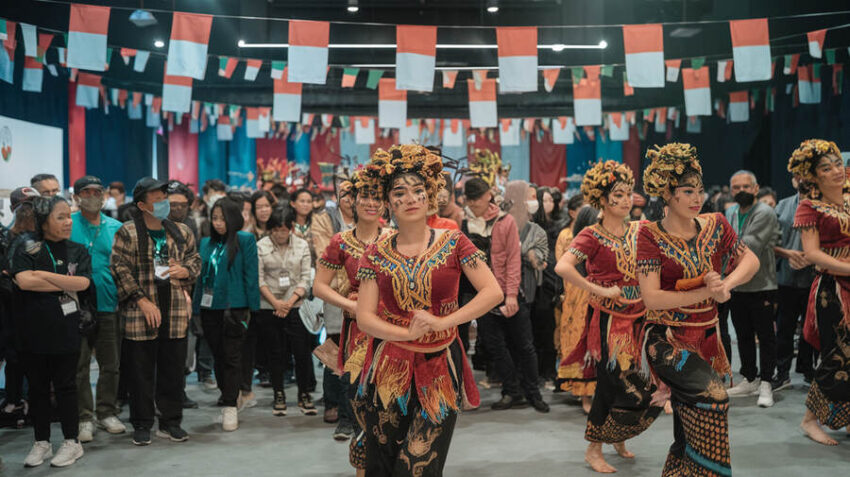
x=668, y=165
x=361, y=180
x=486, y=165
x=409, y=159
x=600, y=179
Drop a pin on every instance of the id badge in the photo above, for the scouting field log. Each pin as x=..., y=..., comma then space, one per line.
x=68, y=304
x=284, y=281
x=161, y=272
x=207, y=299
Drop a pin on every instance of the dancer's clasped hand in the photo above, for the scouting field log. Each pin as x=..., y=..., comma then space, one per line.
x=718, y=288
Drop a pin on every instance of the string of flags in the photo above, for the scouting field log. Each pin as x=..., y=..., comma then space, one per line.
x=645, y=67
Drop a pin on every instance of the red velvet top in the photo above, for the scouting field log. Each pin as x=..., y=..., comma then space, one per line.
x=832, y=222
x=715, y=247
x=344, y=251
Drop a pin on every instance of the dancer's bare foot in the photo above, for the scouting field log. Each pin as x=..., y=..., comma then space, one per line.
x=620, y=447
x=593, y=456
x=586, y=403
x=360, y=473
x=668, y=408
x=813, y=431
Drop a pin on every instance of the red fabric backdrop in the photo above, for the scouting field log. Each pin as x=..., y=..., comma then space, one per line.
x=271, y=157
x=324, y=147
x=76, y=136
x=383, y=142
x=631, y=156
x=183, y=155
x=482, y=141
x=548, y=160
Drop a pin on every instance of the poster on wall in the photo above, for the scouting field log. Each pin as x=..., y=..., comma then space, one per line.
x=26, y=149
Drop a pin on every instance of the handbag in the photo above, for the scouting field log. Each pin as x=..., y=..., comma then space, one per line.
x=87, y=306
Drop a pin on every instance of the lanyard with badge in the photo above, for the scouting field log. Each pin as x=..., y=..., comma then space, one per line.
x=209, y=277
x=283, y=280
x=66, y=301
x=92, y=240
x=160, y=257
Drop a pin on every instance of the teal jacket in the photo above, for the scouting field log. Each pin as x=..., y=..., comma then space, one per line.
x=233, y=285
x=98, y=241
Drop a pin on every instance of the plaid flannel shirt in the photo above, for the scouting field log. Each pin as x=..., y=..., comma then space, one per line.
x=134, y=278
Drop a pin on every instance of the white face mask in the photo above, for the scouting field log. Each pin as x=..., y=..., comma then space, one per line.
x=212, y=199
x=110, y=204
x=532, y=205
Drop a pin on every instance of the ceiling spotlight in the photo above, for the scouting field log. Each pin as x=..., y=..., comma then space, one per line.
x=240, y=43
x=142, y=18
x=492, y=6
x=559, y=47
x=603, y=44
x=159, y=43
x=352, y=6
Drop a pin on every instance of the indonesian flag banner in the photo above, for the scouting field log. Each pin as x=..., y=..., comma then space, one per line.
x=364, y=130
x=563, y=130
x=550, y=77
x=392, y=104
x=176, y=93
x=618, y=127
x=739, y=107
x=88, y=90
x=816, y=39
x=415, y=58
x=449, y=77
x=791, y=62
x=187, y=49
x=673, y=67
x=482, y=104
x=724, y=70
x=808, y=84
x=587, y=97
x=308, y=51
x=287, y=100
x=409, y=134
x=697, y=91
x=226, y=66
x=517, y=59
x=252, y=69
x=33, y=75
x=141, y=61
x=509, y=132
x=644, y=46
x=751, y=49
x=87, y=29
x=453, y=130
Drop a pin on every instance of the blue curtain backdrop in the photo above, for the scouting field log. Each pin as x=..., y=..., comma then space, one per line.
x=519, y=157
x=581, y=154
x=298, y=149
x=357, y=154
x=212, y=156
x=118, y=148
x=242, y=159
x=606, y=149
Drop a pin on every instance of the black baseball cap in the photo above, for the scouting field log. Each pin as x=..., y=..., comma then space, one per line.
x=21, y=195
x=145, y=185
x=86, y=182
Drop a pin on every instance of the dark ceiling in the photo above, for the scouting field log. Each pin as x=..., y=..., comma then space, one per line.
x=711, y=40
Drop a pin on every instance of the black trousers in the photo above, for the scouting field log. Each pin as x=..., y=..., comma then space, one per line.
x=725, y=338
x=543, y=329
x=510, y=345
x=14, y=371
x=249, y=354
x=792, y=311
x=335, y=390
x=225, y=331
x=752, y=315
x=155, y=371
x=281, y=335
x=60, y=370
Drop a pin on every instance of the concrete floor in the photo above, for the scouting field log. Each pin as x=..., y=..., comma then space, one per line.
x=765, y=442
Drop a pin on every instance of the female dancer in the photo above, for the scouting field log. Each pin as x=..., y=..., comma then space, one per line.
x=408, y=306
x=824, y=219
x=343, y=255
x=575, y=378
x=680, y=260
x=621, y=406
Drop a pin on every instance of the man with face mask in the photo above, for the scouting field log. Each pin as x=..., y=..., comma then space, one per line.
x=96, y=231
x=154, y=264
x=753, y=304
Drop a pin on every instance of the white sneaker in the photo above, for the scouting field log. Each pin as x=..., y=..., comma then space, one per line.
x=246, y=400
x=70, y=451
x=40, y=450
x=112, y=425
x=765, y=394
x=86, y=433
x=745, y=388
x=229, y=418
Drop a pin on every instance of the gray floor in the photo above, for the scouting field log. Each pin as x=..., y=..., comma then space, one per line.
x=486, y=443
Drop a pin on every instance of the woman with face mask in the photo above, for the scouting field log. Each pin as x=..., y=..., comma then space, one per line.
x=416, y=375
x=679, y=263
x=226, y=292
x=50, y=274
x=823, y=217
x=621, y=406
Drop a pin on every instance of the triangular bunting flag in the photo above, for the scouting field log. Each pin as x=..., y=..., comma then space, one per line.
x=392, y=105
x=482, y=104
x=226, y=66
x=141, y=61
x=449, y=77
x=696, y=63
x=44, y=40
x=478, y=77
x=550, y=77
x=724, y=70
x=33, y=75
x=607, y=71
x=563, y=130
x=30, y=40
x=791, y=62
x=88, y=90
x=374, y=78
x=739, y=107
x=349, y=77
x=176, y=93
x=697, y=91
x=830, y=56
x=587, y=98
x=627, y=88
x=126, y=54
x=673, y=70
x=287, y=100
x=816, y=39
x=252, y=69
x=837, y=78
x=277, y=69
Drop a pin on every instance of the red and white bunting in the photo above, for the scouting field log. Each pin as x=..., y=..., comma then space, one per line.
x=223, y=128
x=751, y=49
x=453, y=130
x=517, y=59
x=673, y=67
x=644, y=46
x=392, y=104
x=364, y=130
x=724, y=70
x=509, y=132
x=618, y=127
x=87, y=29
x=550, y=77
x=809, y=84
x=187, y=49
x=287, y=100
x=563, y=130
x=816, y=39
x=449, y=77
x=226, y=66
x=308, y=51
x=88, y=90
x=587, y=98
x=33, y=75
x=482, y=104
x=739, y=106
x=697, y=91
x=176, y=93
x=415, y=57
x=409, y=134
